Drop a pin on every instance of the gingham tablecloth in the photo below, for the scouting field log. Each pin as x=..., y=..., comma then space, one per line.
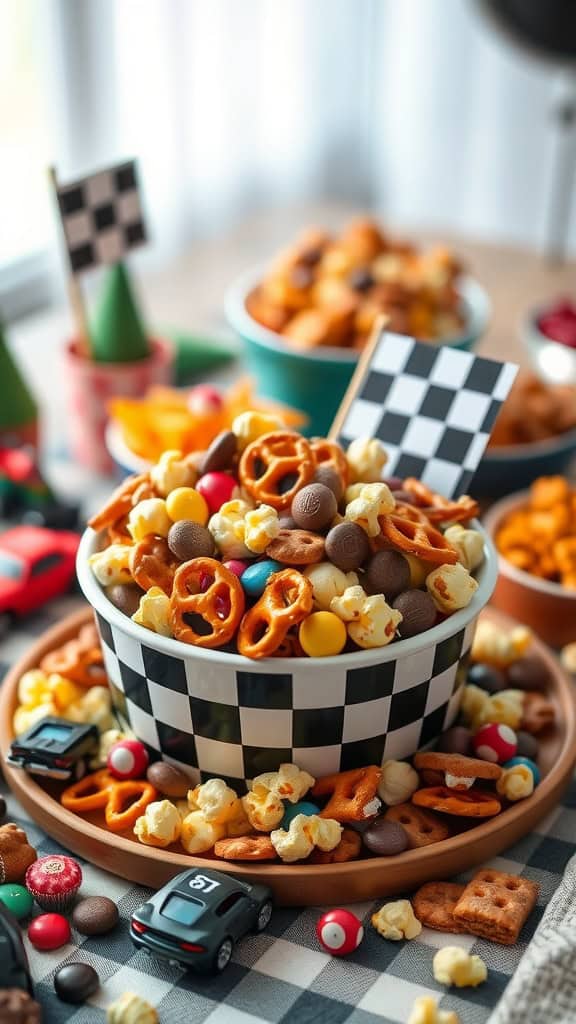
x=283, y=974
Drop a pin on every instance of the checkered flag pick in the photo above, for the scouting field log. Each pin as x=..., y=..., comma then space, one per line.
x=101, y=216
x=433, y=406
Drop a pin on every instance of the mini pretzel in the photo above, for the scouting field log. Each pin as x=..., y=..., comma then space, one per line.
x=245, y=848
x=420, y=539
x=329, y=453
x=472, y=803
x=352, y=794
x=152, y=564
x=73, y=661
x=272, y=459
x=102, y=791
x=348, y=849
x=439, y=509
x=538, y=713
x=296, y=547
x=286, y=601
x=129, y=493
x=204, y=587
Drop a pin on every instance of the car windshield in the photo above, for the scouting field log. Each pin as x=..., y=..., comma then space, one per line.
x=60, y=733
x=11, y=568
x=183, y=911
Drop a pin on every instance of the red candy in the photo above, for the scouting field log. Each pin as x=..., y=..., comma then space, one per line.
x=339, y=932
x=127, y=759
x=237, y=566
x=559, y=323
x=494, y=742
x=216, y=488
x=49, y=931
x=204, y=400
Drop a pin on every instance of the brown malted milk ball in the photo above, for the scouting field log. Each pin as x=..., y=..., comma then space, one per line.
x=457, y=740
x=347, y=546
x=95, y=915
x=220, y=454
x=187, y=539
x=314, y=507
x=387, y=573
x=168, y=780
x=418, y=612
x=528, y=673
x=125, y=597
x=328, y=476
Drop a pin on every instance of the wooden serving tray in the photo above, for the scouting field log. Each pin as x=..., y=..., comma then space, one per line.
x=300, y=884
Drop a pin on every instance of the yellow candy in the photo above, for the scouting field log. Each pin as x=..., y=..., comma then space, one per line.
x=322, y=634
x=186, y=503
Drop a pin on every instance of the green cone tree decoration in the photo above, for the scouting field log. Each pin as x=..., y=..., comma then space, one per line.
x=118, y=334
x=18, y=408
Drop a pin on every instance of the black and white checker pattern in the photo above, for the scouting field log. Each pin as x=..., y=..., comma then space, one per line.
x=234, y=724
x=101, y=216
x=433, y=406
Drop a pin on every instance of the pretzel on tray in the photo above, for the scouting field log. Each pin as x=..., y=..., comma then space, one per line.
x=152, y=564
x=286, y=601
x=416, y=538
x=101, y=791
x=205, y=588
x=439, y=509
x=472, y=803
x=79, y=660
x=275, y=466
x=245, y=848
x=353, y=794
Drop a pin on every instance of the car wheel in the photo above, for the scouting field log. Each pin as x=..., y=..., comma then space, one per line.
x=223, y=955
x=264, y=915
x=6, y=624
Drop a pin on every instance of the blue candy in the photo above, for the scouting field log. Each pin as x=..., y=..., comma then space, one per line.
x=256, y=576
x=302, y=807
x=529, y=764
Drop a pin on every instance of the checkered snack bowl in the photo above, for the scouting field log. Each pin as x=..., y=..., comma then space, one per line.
x=215, y=713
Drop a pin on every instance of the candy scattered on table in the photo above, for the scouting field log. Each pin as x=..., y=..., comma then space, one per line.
x=95, y=915
x=168, y=780
x=17, y=899
x=76, y=982
x=54, y=881
x=396, y=921
x=339, y=932
x=49, y=931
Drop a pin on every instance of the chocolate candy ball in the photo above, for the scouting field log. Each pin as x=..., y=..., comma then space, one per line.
x=418, y=612
x=187, y=539
x=328, y=476
x=314, y=507
x=95, y=915
x=125, y=597
x=395, y=483
x=17, y=1007
x=168, y=780
x=347, y=546
x=385, y=838
x=75, y=983
x=529, y=673
x=457, y=740
x=486, y=677
x=527, y=745
x=220, y=453
x=387, y=573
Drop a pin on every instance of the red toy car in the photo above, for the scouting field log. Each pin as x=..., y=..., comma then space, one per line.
x=35, y=565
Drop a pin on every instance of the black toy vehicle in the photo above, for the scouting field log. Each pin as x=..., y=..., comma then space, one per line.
x=14, y=970
x=55, y=748
x=196, y=918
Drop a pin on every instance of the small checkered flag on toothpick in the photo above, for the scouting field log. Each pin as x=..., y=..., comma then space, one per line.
x=102, y=216
x=432, y=406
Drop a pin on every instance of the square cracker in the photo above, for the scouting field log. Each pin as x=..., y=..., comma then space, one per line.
x=434, y=906
x=495, y=905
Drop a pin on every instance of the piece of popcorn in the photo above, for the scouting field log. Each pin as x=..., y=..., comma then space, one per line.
x=199, y=835
x=217, y=801
x=473, y=703
x=130, y=1008
x=250, y=425
x=373, y=500
x=505, y=708
x=153, y=612
x=106, y=742
x=396, y=921
x=366, y=458
x=160, y=825
x=371, y=622
x=328, y=582
x=261, y=525
x=112, y=565
x=172, y=471
x=63, y=691
x=349, y=605
x=398, y=782
x=148, y=516
x=228, y=529
x=352, y=492
x=289, y=783
x=451, y=587
x=468, y=543
x=516, y=783
x=305, y=832
x=499, y=647
x=568, y=657
x=24, y=718
x=33, y=688
x=95, y=706
x=452, y=965
x=263, y=809
x=426, y=1011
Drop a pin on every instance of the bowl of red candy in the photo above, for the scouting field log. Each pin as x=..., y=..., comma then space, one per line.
x=549, y=335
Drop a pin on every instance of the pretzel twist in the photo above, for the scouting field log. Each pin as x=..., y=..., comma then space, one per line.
x=101, y=791
x=274, y=458
x=439, y=509
x=417, y=538
x=329, y=453
x=471, y=803
x=129, y=493
x=79, y=660
x=152, y=564
x=206, y=588
x=286, y=601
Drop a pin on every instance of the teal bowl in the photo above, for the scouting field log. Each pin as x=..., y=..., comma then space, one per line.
x=314, y=382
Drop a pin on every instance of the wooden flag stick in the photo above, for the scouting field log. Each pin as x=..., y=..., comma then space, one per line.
x=75, y=295
x=357, y=377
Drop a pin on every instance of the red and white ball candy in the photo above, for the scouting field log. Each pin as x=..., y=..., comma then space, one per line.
x=494, y=742
x=204, y=400
x=339, y=932
x=127, y=759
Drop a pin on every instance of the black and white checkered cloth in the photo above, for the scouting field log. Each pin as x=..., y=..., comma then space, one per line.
x=433, y=407
x=283, y=975
x=101, y=216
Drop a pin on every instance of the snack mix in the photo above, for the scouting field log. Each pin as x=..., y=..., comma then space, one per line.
x=534, y=411
x=540, y=536
x=329, y=290
x=274, y=545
